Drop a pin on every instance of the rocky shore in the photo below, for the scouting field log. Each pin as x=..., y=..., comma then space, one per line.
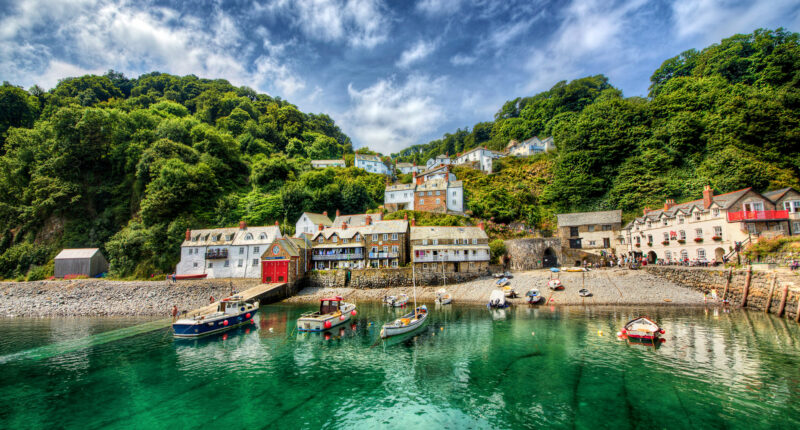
x=608, y=287
x=99, y=297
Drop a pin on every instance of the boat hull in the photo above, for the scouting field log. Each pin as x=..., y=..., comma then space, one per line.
x=217, y=325
x=390, y=330
x=199, y=276
x=317, y=323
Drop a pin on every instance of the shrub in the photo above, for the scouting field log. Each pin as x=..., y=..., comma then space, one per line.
x=38, y=273
x=497, y=249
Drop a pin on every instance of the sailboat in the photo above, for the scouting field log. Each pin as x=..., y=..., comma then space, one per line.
x=408, y=322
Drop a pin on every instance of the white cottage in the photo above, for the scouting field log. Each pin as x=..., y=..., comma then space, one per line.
x=371, y=163
x=309, y=222
x=481, y=157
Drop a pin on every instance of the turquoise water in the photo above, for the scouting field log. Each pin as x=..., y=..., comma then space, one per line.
x=469, y=368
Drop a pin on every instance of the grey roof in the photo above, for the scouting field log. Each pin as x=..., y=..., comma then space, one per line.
x=776, y=195
x=233, y=236
x=355, y=219
x=434, y=184
x=367, y=157
x=434, y=170
x=400, y=187
x=721, y=201
x=389, y=226
x=437, y=232
x=584, y=218
x=442, y=156
x=454, y=184
x=318, y=219
x=77, y=253
x=399, y=165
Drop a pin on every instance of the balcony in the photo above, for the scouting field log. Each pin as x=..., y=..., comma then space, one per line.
x=216, y=254
x=327, y=257
x=378, y=255
x=744, y=216
x=453, y=258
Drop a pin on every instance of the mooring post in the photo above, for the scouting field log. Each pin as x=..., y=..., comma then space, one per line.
x=771, y=291
x=784, y=294
x=727, y=284
x=797, y=312
x=747, y=286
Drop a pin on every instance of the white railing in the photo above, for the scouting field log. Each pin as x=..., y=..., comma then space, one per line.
x=455, y=258
x=322, y=257
x=383, y=255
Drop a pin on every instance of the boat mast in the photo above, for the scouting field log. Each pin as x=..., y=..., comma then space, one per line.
x=414, y=283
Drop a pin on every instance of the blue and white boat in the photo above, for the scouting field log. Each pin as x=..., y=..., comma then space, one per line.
x=231, y=312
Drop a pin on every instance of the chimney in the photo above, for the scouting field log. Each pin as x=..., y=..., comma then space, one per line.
x=325, y=213
x=708, y=195
x=645, y=210
x=188, y=234
x=368, y=220
x=337, y=213
x=405, y=216
x=344, y=226
x=413, y=222
x=414, y=175
x=481, y=226
x=668, y=204
x=321, y=227
x=276, y=223
x=242, y=225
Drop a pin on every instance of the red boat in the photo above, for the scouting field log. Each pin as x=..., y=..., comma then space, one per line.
x=642, y=328
x=199, y=276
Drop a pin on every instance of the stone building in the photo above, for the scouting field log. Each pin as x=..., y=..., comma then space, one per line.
x=286, y=259
x=450, y=249
x=708, y=229
x=441, y=159
x=226, y=252
x=435, y=190
x=308, y=222
x=407, y=168
x=598, y=233
x=367, y=244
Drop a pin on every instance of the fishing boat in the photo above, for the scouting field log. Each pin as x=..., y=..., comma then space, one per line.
x=497, y=300
x=397, y=301
x=332, y=312
x=533, y=297
x=231, y=312
x=510, y=292
x=583, y=292
x=641, y=328
x=502, y=282
x=407, y=323
x=443, y=297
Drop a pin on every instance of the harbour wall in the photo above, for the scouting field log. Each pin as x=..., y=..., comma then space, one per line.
x=385, y=278
x=765, y=289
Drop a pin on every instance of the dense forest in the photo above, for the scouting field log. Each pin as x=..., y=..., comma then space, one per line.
x=728, y=116
x=128, y=164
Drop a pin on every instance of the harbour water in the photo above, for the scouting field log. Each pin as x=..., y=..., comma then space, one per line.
x=469, y=368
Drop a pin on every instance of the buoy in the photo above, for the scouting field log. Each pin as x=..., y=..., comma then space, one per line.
x=225, y=336
x=624, y=331
x=619, y=333
x=533, y=333
x=353, y=312
x=327, y=336
x=441, y=328
x=225, y=322
x=662, y=331
x=341, y=318
x=247, y=315
x=327, y=324
x=599, y=332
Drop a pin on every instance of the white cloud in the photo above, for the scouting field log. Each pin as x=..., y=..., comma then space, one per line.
x=388, y=117
x=438, y=7
x=418, y=52
x=712, y=20
x=507, y=33
x=462, y=60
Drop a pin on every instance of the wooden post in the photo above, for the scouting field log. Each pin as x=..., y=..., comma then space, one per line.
x=797, y=313
x=727, y=284
x=784, y=294
x=771, y=291
x=747, y=286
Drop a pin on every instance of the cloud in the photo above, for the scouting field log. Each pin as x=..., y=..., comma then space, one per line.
x=388, y=117
x=419, y=51
x=462, y=60
x=438, y=7
x=712, y=20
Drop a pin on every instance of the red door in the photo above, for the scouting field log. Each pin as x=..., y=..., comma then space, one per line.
x=274, y=271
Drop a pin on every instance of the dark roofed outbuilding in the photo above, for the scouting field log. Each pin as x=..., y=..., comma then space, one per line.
x=80, y=261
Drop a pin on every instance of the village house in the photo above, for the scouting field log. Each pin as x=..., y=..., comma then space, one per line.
x=530, y=146
x=598, y=233
x=370, y=244
x=450, y=249
x=226, y=252
x=372, y=164
x=308, y=222
x=435, y=190
x=435, y=173
x=479, y=158
x=709, y=228
x=398, y=197
x=407, y=168
x=441, y=159
x=321, y=164
x=286, y=259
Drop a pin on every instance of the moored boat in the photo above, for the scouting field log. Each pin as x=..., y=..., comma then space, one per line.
x=443, y=297
x=497, y=300
x=332, y=312
x=231, y=312
x=583, y=292
x=396, y=301
x=555, y=284
x=502, y=282
x=533, y=296
x=407, y=323
x=510, y=292
x=641, y=328
x=198, y=276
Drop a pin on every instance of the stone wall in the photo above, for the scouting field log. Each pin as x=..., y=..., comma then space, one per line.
x=384, y=278
x=527, y=254
x=705, y=280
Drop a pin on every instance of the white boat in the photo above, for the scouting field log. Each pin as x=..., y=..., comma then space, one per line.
x=555, y=284
x=332, y=312
x=498, y=275
x=502, y=282
x=533, y=296
x=641, y=328
x=510, y=292
x=507, y=275
x=497, y=300
x=583, y=292
x=407, y=323
x=443, y=297
x=396, y=301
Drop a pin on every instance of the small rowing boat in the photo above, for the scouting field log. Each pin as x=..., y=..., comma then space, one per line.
x=396, y=301
x=443, y=297
x=641, y=328
x=555, y=284
x=510, y=292
x=502, y=282
x=497, y=300
x=533, y=296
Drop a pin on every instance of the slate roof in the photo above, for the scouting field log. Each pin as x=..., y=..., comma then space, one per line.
x=400, y=187
x=584, y=218
x=433, y=185
x=322, y=162
x=354, y=220
x=437, y=232
x=409, y=165
x=368, y=157
x=318, y=219
x=73, y=253
x=390, y=226
x=776, y=195
x=232, y=236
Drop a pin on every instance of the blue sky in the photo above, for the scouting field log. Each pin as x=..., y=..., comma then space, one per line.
x=392, y=74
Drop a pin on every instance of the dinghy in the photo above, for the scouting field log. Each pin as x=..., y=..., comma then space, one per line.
x=443, y=297
x=533, y=297
x=396, y=301
x=497, y=300
x=583, y=292
x=406, y=324
x=502, y=282
x=555, y=285
x=641, y=328
x=509, y=292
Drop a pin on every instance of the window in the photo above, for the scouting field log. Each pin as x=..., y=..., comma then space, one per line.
x=684, y=254
x=754, y=206
x=422, y=201
x=718, y=231
x=374, y=249
x=345, y=240
x=454, y=193
x=421, y=193
x=227, y=263
x=395, y=248
x=438, y=201
x=751, y=228
x=697, y=216
x=394, y=263
x=779, y=227
x=374, y=237
x=241, y=251
x=715, y=212
x=680, y=220
x=591, y=243
x=666, y=236
x=606, y=227
x=682, y=235
x=424, y=265
x=664, y=221
x=256, y=249
x=698, y=232
x=430, y=193
x=210, y=265
x=435, y=241
x=792, y=206
x=385, y=248
x=240, y=263
x=424, y=241
x=573, y=231
x=335, y=239
x=649, y=238
x=321, y=239
x=796, y=226
x=357, y=237
x=438, y=192
x=248, y=236
x=622, y=240
x=591, y=228
x=455, y=202
x=195, y=264
x=255, y=262
x=701, y=254
x=263, y=236
x=668, y=255
x=474, y=241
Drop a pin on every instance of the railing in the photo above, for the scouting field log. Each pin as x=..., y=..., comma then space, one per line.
x=455, y=258
x=320, y=257
x=213, y=254
x=757, y=215
x=382, y=255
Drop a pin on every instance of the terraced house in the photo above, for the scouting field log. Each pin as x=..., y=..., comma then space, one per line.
x=369, y=244
x=708, y=229
x=226, y=252
x=450, y=249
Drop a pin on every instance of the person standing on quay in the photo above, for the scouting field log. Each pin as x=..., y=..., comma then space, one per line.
x=174, y=313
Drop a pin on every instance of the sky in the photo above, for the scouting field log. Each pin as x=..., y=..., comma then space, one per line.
x=390, y=73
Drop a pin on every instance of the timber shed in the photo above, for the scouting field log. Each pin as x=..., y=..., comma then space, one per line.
x=80, y=261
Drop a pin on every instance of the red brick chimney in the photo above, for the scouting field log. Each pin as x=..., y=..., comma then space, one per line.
x=368, y=220
x=645, y=210
x=325, y=213
x=405, y=216
x=344, y=226
x=242, y=225
x=321, y=227
x=276, y=223
x=668, y=204
x=188, y=234
x=481, y=226
x=337, y=213
x=413, y=222
x=708, y=196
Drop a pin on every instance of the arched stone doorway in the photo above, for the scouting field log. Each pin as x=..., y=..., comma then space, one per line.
x=651, y=257
x=549, y=258
x=719, y=254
